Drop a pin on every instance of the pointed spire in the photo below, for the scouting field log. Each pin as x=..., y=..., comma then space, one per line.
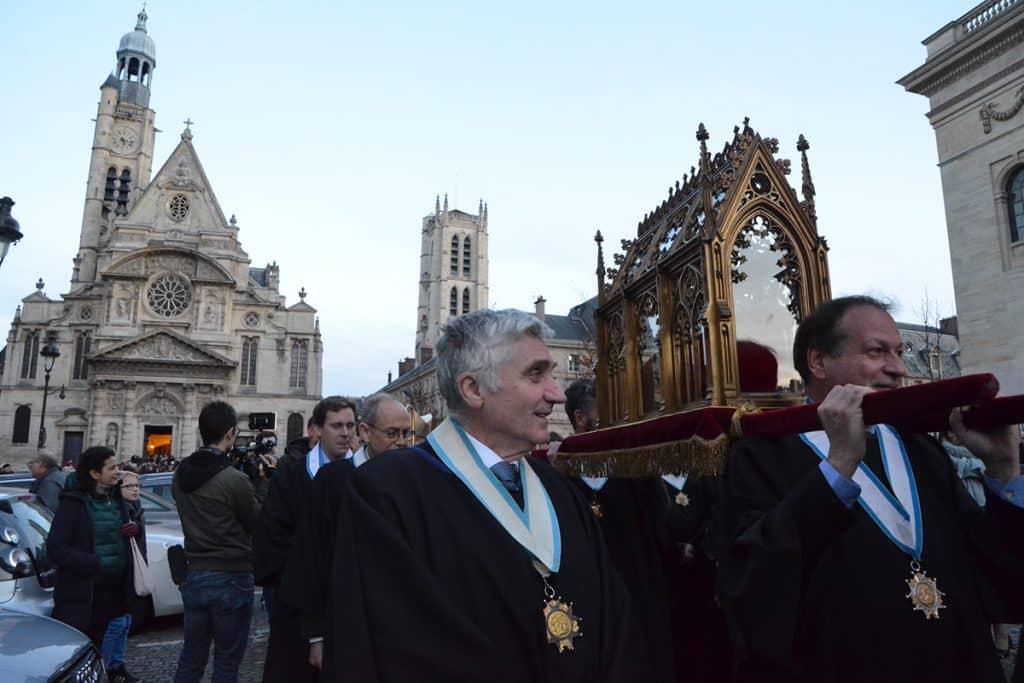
x=446, y=202
x=480, y=210
x=705, y=159
x=437, y=205
x=141, y=24
x=600, y=266
x=808, y=184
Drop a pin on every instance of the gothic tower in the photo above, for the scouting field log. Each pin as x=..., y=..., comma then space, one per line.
x=453, y=271
x=122, y=147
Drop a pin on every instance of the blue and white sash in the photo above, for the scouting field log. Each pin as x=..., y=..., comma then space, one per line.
x=534, y=526
x=315, y=459
x=899, y=515
x=676, y=481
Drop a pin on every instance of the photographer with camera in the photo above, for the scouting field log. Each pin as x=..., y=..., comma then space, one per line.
x=218, y=510
x=275, y=552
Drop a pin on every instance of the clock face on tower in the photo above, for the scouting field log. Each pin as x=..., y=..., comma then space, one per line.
x=123, y=139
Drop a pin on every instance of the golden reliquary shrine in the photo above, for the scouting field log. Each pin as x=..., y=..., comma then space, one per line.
x=702, y=307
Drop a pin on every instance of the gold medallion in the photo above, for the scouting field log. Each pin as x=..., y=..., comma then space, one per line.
x=924, y=592
x=682, y=499
x=595, y=507
x=561, y=624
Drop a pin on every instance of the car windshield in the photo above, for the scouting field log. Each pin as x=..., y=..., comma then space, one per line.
x=31, y=520
x=151, y=503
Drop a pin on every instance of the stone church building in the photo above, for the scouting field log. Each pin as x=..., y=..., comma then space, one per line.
x=163, y=313
x=973, y=77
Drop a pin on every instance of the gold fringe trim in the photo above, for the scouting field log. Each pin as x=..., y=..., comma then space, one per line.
x=696, y=456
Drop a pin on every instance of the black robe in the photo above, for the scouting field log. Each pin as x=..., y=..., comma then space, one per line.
x=698, y=625
x=277, y=557
x=309, y=585
x=816, y=592
x=429, y=587
x=634, y=520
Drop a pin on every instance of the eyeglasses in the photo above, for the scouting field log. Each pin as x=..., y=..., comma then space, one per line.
x=394, y=434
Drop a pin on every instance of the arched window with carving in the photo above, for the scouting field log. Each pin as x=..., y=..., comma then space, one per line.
x=453, y=303
x=111, y=187
x=22, y=418
x=30, y=358
x=467, y=261
x=82, y=346
x=1015, y=204
x=250, y=347
x=455, y=254
x=295, y=426
x=299, y=364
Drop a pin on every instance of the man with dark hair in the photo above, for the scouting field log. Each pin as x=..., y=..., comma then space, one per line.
x=464, y=560
x=279, y=558
x=633, y=516
x=581, y=406
x=854, y=553
x=217, y=510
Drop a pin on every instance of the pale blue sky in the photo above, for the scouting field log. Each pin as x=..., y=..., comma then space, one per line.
x=328, y=128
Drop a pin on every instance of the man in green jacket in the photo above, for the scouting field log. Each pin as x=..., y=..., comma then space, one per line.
x=218, y=510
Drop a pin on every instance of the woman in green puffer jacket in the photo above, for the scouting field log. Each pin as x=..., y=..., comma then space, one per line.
x=88, y=543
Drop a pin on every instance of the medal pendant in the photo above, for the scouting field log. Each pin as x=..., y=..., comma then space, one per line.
x=682, y=499
x=924, y=592
x=595, y=507
x=562, y=625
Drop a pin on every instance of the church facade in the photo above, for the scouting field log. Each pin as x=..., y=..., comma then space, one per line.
x=973, y=77
x=164, y=311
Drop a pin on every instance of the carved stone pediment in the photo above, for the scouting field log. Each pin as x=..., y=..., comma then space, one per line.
x=145, y=262
x=162, y=347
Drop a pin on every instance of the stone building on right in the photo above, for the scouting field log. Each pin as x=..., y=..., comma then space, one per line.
x=973, y=77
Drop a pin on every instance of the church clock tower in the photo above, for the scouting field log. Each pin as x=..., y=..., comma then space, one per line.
x=122, y=147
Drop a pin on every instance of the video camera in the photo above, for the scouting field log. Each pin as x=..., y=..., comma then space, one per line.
x=246, y=456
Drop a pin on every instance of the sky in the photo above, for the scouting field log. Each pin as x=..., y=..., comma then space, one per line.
x=328, y=128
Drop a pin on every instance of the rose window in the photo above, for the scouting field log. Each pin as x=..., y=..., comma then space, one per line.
x=252, y=319
x=178, y=207
x=169, y=295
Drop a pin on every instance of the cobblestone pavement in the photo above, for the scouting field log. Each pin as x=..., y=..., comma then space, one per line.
x=152, y=655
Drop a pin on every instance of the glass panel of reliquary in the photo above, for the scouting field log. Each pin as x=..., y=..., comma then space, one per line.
x=765, y=309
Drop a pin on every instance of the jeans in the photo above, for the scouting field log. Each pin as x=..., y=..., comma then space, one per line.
x=115, y=640
x=218, y=608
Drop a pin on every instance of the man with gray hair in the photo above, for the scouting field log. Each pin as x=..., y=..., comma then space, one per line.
x=49, y=480
x=465, y=561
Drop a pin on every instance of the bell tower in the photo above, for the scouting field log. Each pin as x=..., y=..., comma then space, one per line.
x=122, y=147
x=453, y=271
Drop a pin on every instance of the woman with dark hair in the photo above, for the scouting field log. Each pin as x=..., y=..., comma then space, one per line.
x=88, y=542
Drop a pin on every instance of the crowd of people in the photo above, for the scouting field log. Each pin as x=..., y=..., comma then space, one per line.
x=468, y=557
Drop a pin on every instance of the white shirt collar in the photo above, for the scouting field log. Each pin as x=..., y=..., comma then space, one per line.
x=359, y=457
x=487, y=456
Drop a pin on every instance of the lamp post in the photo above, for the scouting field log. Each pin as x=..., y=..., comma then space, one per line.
x=50, y=354
x=10, y=230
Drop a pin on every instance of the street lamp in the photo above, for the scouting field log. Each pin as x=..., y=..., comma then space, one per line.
x=10, y=230
x=50, y=354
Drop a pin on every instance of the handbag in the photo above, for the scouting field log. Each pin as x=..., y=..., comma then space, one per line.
x=142, y=575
